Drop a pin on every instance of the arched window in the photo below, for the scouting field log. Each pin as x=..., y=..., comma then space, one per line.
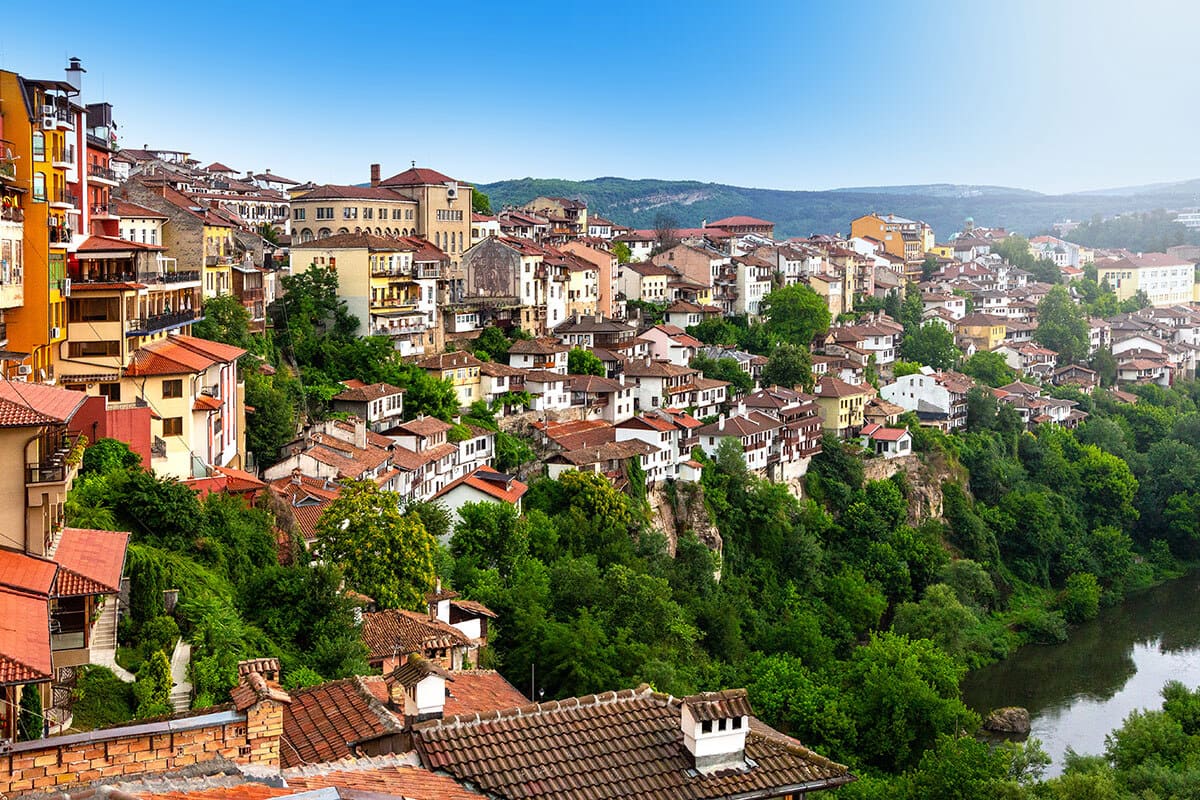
x=39, y=187
x=342, y=231
x=324, y=233
x=306, y=235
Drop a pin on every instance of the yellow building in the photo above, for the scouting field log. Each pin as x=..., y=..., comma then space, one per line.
x=40, y=125
x=986, y=331
x=841, y=405
x=1165, y=280
x=905, y=238
x=218, y=257
x=461, y=369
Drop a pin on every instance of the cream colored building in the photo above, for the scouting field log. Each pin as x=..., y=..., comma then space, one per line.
x=1166, y=280
x=332, y=210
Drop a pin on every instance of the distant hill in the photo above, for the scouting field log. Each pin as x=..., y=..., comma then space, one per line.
x=798, y=213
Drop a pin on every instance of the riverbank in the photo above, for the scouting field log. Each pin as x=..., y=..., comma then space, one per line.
x=1079, y=690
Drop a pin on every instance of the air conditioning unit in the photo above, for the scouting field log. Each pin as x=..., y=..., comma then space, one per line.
x=24, y=369
x=47, y=110
x=48, y=123
x=56, y=333
x=451, y=191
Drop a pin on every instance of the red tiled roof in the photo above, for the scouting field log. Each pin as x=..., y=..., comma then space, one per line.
x=395, y=780
x=445, y=361
x=321, y=722
x=332, y=191
x=24, y=637
x=91, y=561
x=740, y=219
x=29, y=574
x=205, y=403
x=634, y=749
x=400, y=630
x=104, y=244
x=127, y=209
x=350, y=241
x=359, y=392
x=423, y=426
x=25, y=404
x=218, y=351
x=479, y=691
x=504, y=488
x=417, y=176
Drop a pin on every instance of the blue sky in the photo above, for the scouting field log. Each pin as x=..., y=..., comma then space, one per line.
x=1054, y=95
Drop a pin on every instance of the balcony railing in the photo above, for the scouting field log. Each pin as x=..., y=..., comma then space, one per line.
x=104, y=209
x=428, y=272
x=12, y=214
x=52, y=467
x=60, y=235
x=181, y=276
x=252, y=294
x=63, y=197
x=158, y=448
x=143, y=326
x=218, y=261
x=8, y=169
x=103, y=173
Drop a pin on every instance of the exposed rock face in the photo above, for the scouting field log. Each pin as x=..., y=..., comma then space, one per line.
x=684, y=513
x=1009, y=721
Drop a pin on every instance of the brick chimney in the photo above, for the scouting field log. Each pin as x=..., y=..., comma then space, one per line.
x=360, y=433
x=261, y=699
x=374, y=175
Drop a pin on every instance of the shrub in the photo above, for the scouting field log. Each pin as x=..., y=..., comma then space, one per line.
x=159, y=633
x=301, y=678
x=29, y=723
x=153, y=686
x=1080, y=600
x=1043, y=627
x=101, y=698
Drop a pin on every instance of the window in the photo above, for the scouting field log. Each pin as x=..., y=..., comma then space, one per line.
x=706, y=726
x=349, y=213
x=39, y=146
x=325, y=212
x=172, y=426
x=368, y=213
x=298, y=213
x=172, y=388
x=112, y=391
x=39, y=187
x=397, y=213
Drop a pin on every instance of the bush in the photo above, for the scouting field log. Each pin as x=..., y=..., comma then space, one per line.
x=1080, y=600
x=153, y=687
x=1043, y=627
x=101, y=698
x=159, y=633
x=301, y=678
x=30, y=721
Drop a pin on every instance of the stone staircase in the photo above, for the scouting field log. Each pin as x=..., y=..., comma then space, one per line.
x=181, y=692
x=104, y=641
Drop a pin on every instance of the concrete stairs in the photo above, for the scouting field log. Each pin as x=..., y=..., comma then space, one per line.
x=181, y=693
x=104, y=641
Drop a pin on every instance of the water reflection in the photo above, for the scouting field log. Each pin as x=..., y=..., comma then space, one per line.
x=1078, y=691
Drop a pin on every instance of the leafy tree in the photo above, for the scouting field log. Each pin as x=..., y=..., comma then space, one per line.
x=226, y=320
x=153, y=686
x=789, y=365
x=990, y=368
x=1107, y=488
x=724, y=369
x=310, y=319
x=480, y=202
x=1062, y=327
x=928, y=267
x=902, y=368
x=584, y=362
x=511, y=452
x=961, y=767
x=912, y=309
x=931, y=344
x=940, y=617
x=490, y=535
x=1080, y=600
x=981, y=409
x=795, y=314
x=272, y=424
x=30, y=722
x=107, y=455
x=386, y=554
x=493, y=343
x=717, y=331
x=621, y=251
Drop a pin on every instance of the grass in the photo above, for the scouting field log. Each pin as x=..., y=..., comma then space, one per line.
x=101, y=699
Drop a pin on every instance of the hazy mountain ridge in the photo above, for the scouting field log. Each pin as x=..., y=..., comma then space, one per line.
x=800, y=213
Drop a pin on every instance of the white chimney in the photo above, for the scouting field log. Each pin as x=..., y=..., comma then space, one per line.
x=419, y=685
x=360, y=433
x=714, y=726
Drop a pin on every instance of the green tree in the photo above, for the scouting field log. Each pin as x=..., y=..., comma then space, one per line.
x=931, y=344
x=511, y=452
x=928, y=267
x=1080, y=599
x=621, y=251
x=789, y=366
x=490, y=535
x=272, y=423
x=724, y=369
x=387, y=555
x=584, y=362
x=1105, y=365
x=718, y=331
x=989, y=367
x=107, y=455
x=795, y=315
x=912, y=309
x=225, y=320
x=153, y=686
x=940, y=617
x=480, y=202
x=1062, y=327
x=493, y=343
x=30, y=722
x=1107, y=488
x=981, y=409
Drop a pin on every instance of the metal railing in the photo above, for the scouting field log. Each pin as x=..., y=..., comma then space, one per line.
x=181, y=276
x=63, y=196
x=104, y=209
x=60, y=234
x=52, y=467
x=158, y=322
x=12, y=214
x=104, y=173
x=158, y=448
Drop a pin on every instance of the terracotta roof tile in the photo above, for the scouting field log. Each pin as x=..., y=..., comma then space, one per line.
x=480, y=690
x=91, y=561
x=394, y=779
x=25, y=404
x=321, y=722
x=24, y=637
x=365, y=393
x=27, y=573
x=633, y=749
x=496, y=485
x=400, y=630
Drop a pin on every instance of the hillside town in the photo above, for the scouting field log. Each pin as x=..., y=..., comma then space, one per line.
x=562, y=343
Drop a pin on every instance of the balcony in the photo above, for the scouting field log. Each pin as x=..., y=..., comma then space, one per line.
x=63, y=157
x=102, y=174
x=251, y=295
x=144, y=326
x=218, y=261
x=52, y=467
x=104, y=210
x=8, y=169
x=172, y=278
x=63, y=199
x=60, y=236
x=425, y=271
x=158, y=448
x=12, y=214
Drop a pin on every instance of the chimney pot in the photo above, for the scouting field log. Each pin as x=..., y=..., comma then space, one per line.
x=374, y=175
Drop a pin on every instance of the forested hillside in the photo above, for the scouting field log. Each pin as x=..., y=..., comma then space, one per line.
x=801, y=213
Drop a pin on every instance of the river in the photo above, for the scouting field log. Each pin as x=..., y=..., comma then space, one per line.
x=1078, y=691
